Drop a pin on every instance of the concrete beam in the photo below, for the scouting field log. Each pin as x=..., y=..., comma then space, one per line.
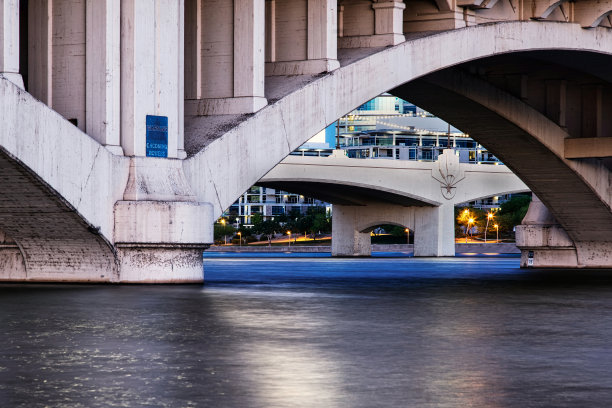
x=9, y=41
x=588, y=147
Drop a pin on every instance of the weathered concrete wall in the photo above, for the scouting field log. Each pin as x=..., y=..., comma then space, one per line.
x=59, y=187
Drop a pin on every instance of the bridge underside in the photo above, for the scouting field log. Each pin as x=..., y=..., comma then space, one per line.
x=341, y=194
x=524, y=108
x=43, y=238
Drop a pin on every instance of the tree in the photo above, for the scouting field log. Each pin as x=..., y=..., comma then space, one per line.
x=316, y=220
x=222, y=229
x=512, y=212
x=265, y=227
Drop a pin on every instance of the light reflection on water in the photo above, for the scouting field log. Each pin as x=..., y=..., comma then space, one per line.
x=315, y=332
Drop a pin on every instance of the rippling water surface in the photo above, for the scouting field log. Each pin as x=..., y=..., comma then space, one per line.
x=315, y=332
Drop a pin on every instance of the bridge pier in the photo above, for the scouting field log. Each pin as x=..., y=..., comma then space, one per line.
x=545, y=244
x=433, y=228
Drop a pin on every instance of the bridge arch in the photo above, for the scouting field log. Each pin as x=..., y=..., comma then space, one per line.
x=231, y=164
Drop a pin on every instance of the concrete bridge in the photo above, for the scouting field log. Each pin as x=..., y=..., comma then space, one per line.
x=129, y=126
x=367, y=193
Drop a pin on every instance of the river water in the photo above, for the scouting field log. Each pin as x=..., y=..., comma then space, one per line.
x=315, y=332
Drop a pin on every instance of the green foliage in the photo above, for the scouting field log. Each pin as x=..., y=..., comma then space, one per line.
x=512, y=212
x=267, y=228
x=221, y=230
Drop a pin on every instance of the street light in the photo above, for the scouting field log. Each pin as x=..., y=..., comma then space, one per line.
x=407, y=231
x=239, y=238
x=470, y=221
x=489, y=218
x=224, y=234
x=497, y=232
x=289, y=233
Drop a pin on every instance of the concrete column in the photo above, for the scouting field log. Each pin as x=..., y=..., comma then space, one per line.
x=302, y=37
x=592, y=114
x=556, y=101
x=541, y=239
x=371, y=24
x=436, y=16
x=388, y=21
x=193, y=49
x=40, y=27
x=347, y=240
x=434, y=231
x=231, y=54
x=9, y=41
x=152, y=42
x=102, y=72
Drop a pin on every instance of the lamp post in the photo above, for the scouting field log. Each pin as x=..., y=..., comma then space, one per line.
x=239, y=238
x=489, y=218
x=289, y=233
x=407, y=231
x=224, y=234
x=470, y=221
x=497, y=233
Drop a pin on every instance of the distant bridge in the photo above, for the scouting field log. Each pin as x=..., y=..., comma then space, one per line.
x=367, y=193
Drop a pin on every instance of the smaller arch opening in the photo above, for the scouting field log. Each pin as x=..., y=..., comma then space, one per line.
x=390, y=233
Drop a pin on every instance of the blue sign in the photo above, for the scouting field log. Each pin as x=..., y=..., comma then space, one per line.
x=157, y=136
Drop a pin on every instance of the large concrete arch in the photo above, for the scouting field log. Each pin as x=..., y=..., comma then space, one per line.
x=576, y=192
x=58, y=188
x=229, y=165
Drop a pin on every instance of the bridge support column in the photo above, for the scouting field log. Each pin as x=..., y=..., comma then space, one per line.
x=434, y=231
x=347, y=240
x=9, y=41
x=545, y=244
x=160, y=229
x=102, y=72
x=301, y=37
x=151, y=72
x=378, y=24
x=224, y=57
x=434, y=228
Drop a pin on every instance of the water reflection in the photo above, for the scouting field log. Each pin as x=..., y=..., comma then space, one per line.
x=284, y=332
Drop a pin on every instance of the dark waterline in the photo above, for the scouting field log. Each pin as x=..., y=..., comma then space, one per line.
x=315, y=332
